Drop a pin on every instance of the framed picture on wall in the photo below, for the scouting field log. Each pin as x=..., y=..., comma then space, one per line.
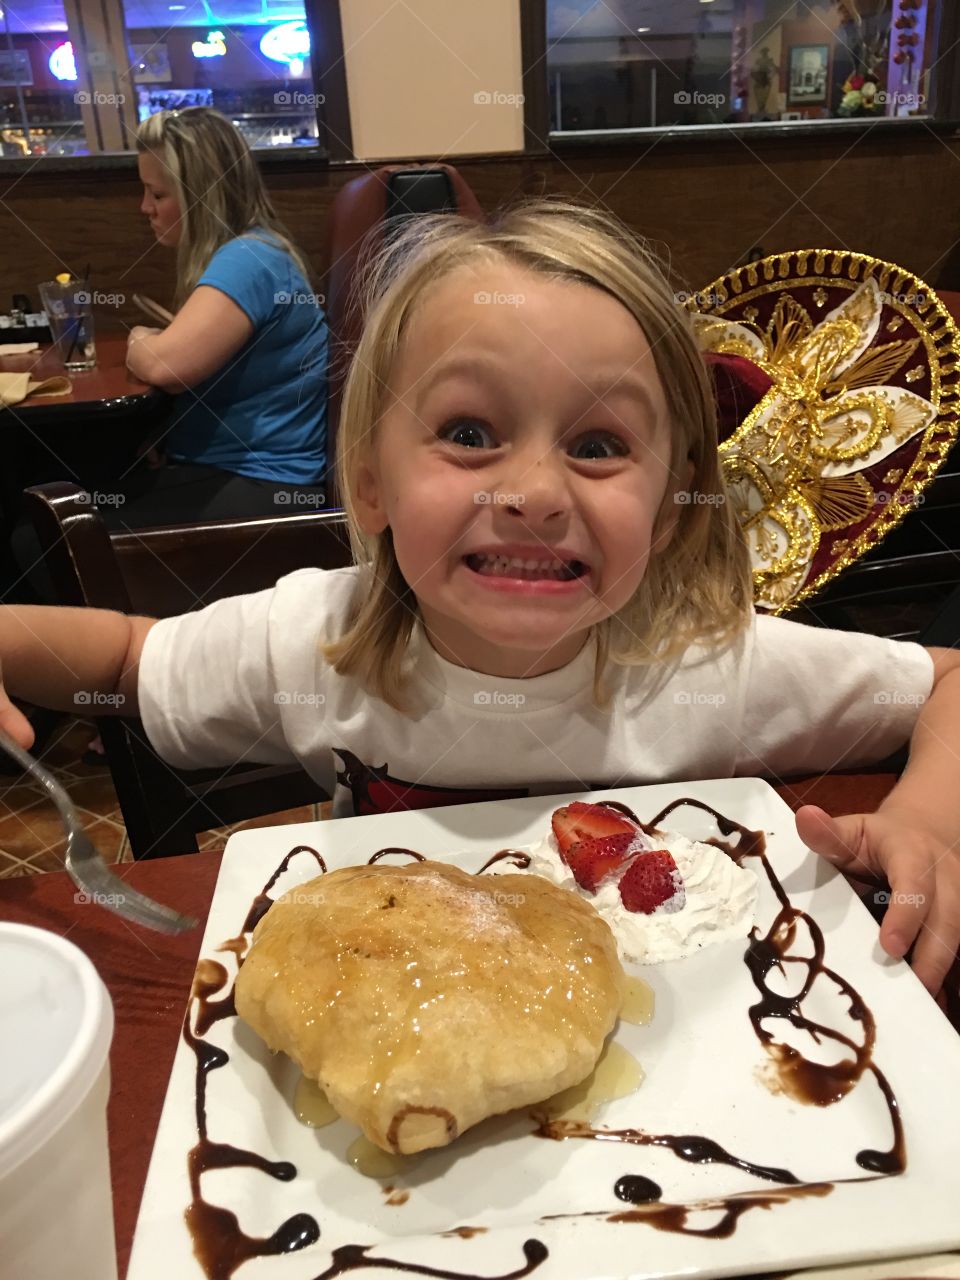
x=809, y=75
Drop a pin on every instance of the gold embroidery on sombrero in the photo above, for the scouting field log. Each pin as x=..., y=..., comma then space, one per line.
x=793, y=464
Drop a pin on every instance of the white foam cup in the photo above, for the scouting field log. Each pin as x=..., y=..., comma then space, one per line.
x=56, y=1025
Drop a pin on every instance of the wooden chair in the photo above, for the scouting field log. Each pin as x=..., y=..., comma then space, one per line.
x=163, y=572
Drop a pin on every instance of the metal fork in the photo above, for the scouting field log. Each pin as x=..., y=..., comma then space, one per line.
x=84, y=865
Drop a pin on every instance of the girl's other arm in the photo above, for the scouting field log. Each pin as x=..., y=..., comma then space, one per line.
x=73, y=660
x=207, y=331
x=913, y=840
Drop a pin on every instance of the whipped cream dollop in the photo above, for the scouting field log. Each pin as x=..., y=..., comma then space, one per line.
x=721, y=899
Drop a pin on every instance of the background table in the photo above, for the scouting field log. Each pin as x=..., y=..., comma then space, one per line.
x=149, y=977
x=109, y=388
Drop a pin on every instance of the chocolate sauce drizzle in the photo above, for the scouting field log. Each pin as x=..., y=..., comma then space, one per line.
x=688, y=1146
x=514, y=856
x=221, y=1246
x=677, y=1217
x=395, y=849
x=352, y=1257
x=811, y=1082
x=815, y=1083
x=636, y=1189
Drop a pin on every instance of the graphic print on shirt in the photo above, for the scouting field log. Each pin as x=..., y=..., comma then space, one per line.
x=374, y=790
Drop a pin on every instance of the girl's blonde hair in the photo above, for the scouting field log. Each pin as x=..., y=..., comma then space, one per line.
x=218, y=187
x=699, y=588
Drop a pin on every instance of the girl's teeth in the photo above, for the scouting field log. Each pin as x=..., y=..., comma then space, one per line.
x=516, y=567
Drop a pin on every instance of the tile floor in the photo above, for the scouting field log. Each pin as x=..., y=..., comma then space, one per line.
x=31, y=835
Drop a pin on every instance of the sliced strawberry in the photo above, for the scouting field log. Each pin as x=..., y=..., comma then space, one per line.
x=651, y=880
x=592, y=861
x=578, y=821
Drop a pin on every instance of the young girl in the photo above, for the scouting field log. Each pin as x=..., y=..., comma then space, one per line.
x=537, y=606
x=246, y=351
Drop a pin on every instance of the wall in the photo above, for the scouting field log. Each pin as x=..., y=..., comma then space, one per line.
x=412, y=77
x=706, y=203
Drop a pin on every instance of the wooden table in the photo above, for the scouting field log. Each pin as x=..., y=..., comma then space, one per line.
x=149, y=981
x=108, y=389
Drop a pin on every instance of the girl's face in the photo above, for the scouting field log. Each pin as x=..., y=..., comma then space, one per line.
x=159, y=202
x=525, y=426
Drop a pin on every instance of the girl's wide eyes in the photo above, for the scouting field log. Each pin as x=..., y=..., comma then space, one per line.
x=473, y=434
x=468, y=432
x=594, y=444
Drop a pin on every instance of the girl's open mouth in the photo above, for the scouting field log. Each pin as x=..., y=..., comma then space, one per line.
x=529, y=570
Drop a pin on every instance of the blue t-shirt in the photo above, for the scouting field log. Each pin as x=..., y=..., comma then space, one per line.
x=264, y=414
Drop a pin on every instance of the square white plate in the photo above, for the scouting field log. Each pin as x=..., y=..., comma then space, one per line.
x=703, y=1064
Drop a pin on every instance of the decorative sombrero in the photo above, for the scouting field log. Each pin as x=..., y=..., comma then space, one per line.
x=838, y=381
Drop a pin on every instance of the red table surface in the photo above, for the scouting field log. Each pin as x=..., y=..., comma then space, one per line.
x=149, y=975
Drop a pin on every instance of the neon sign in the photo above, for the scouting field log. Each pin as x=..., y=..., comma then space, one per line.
x=62, y=63
x=289, y=43
x=213, y=47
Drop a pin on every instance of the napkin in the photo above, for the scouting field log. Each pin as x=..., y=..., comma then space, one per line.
x=18, y=348
x=15, y=387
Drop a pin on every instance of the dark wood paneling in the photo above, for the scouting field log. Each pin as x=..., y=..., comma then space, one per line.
x=533, y=45
x=329, y=67
x=706, y=203
x=945, y=72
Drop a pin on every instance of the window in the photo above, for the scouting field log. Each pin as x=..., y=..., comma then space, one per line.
x=76, y=77
x=39, y=113
x=629, y=64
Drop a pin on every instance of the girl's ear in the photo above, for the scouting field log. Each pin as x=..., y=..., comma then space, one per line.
x=368, y=499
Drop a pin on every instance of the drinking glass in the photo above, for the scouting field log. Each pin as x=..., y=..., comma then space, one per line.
x=69, y=310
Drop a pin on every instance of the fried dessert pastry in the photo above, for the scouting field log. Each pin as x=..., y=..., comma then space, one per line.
x=423, y=999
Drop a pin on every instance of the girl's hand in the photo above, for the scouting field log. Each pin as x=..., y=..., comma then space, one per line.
x=13, y=721
x=921, y=866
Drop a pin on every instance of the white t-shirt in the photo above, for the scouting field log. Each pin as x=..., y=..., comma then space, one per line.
x=244, y=680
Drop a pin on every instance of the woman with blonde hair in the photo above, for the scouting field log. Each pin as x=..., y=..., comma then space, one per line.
x=246, y=352
x=537, y=605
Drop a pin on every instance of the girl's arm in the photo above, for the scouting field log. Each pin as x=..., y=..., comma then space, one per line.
x=207, y=331
x=79, y=660
x=913, y=840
